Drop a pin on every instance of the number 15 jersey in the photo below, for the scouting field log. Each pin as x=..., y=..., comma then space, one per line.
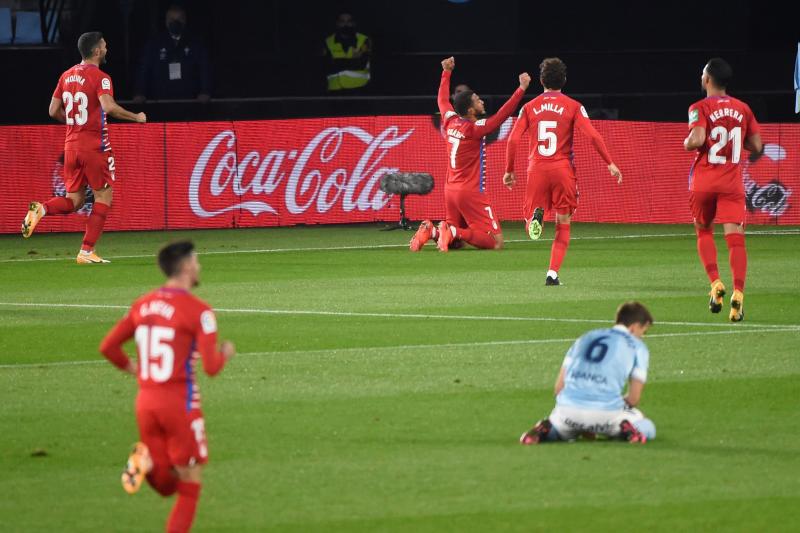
x=80, y=88
x=172, y=329
x=599, y=365
x=728, y=122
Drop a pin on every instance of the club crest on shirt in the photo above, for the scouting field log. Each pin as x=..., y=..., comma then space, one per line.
x=208, y=322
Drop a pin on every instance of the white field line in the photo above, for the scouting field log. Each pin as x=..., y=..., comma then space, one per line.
x=421, y=346
x=389, y=246
x=483, y=318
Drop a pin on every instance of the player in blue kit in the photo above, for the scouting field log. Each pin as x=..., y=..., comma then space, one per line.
x=589, y=389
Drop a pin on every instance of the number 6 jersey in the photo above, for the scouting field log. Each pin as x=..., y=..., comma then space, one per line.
x=80, y=88
x=172, y=328
x=728, y=122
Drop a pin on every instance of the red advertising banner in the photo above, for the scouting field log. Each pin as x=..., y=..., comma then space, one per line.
x=328, y=170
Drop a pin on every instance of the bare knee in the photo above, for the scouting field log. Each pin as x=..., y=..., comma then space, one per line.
x=104, y=195
x=498, y=241
x=192, y=474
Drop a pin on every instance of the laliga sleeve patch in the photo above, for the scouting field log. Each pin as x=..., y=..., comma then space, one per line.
x=694, y=116
x=106, y=84
x=208, y=322
x=449, y=114
x=584, y=113
x=481, y=122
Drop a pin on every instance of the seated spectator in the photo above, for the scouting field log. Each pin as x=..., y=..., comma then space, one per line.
x=347, y=53
x=174, y=65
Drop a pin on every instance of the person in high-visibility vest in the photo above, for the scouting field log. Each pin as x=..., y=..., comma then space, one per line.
x=348, y=54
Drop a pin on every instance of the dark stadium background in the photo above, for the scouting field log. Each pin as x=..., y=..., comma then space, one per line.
x=628, y=60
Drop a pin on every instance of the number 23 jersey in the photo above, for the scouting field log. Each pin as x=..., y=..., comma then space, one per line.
x=728, y=122
x=80, y=88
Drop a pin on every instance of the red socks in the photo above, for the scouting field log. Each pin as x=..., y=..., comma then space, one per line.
x=182, y=515
x=737, y=255
x=707, y=251
x=478, y=239
x=59, y=205
x=560, y=245
x=162, y=479
x=94, y=226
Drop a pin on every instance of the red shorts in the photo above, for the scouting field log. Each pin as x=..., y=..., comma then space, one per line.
x=470, y=209
x=92, y=167
x=720, y=207
x=552, y=188
x=174, y=435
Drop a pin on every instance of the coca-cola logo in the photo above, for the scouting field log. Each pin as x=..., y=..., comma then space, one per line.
x=312, y=177
x=773, y=197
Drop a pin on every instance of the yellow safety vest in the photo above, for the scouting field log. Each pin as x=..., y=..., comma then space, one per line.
x=346, y=79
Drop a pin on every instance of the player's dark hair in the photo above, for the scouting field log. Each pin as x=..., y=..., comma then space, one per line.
x=719, y=71
x=172, y=255
x=88, y=42
x=633, y=313
x=553, y=73
x=462, y=102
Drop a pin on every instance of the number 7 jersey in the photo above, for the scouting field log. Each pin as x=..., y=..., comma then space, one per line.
x=728, y=122
x=80, y=88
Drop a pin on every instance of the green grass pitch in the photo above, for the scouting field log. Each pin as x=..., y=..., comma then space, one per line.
x=380, y=390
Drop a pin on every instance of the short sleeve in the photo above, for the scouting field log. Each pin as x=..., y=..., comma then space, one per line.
x=104, y=85
x=573, y=350
x=753, y=127
x=641, y=363
x=697, y=116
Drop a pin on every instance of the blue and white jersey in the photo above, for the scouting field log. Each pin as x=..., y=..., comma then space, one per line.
x=598, y=366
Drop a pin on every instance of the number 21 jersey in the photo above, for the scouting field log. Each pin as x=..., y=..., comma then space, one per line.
x=728, y=122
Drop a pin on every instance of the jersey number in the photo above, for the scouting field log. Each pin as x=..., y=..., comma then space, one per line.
x=597, y=350
x=455, y=142
x=723, y=137
x=156, y=357
x=79, y=99
x=547, y=136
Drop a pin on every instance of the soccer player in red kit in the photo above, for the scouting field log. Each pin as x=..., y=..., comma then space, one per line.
x=82, y=99
x=172, y=329
x=468, y=215
x=552, y=118
x=720, y=126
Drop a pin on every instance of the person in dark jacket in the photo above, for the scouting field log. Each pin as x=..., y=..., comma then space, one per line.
x=174, y=65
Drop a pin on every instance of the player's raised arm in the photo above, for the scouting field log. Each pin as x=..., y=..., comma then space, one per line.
x=443, y=98
x=585, y=125
x=111, y=346
x=112, y=108
x=520, y=126
x=487, y=126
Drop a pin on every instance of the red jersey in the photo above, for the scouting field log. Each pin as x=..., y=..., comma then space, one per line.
x=552, y=118
x=80, y=88
x=728, y=122
x=172, y=329
x=466, y=148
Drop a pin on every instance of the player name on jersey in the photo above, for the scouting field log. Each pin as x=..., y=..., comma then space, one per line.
x=548, y=106
x=725, y=112
x=455, y=133
x=74, y=78
x=157, y=307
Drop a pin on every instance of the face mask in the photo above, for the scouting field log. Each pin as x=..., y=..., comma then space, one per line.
x=175, y=27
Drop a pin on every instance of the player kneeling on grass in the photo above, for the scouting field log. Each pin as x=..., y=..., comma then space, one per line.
x=468, y=216
x=589, y=387
x=172, y=328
